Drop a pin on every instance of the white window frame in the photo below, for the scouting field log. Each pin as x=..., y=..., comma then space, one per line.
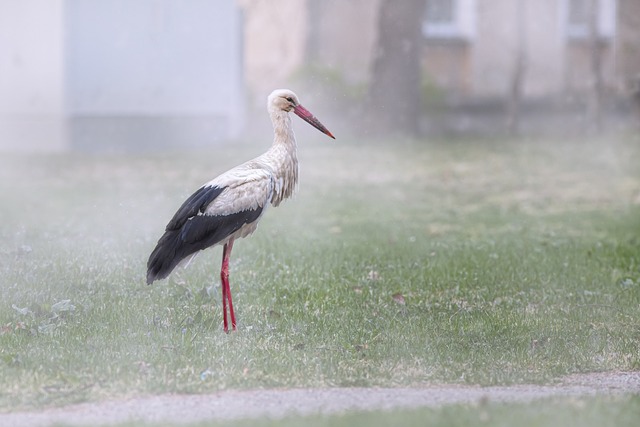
x=607, y=11
x=463, y=25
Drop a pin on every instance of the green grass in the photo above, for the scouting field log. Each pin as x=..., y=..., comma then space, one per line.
x=398, y=263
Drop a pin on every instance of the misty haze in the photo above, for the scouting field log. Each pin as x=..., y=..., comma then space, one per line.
x=466, y=251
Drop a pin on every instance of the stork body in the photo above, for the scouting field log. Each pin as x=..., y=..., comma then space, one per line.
x=229, y=206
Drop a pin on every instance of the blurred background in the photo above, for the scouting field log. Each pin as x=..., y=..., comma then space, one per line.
x=118, y=75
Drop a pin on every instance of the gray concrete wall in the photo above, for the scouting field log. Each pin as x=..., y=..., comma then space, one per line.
x=31, y=75
x=119, y=74
x=149, y=74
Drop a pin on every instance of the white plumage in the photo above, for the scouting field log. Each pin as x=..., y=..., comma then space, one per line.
x=229, y=206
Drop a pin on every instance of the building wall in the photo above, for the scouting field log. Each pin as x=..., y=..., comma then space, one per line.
x=578, y=77
x=118, y=74
x=497, y=42
x=578, y=69
x=347, y=33
x=554, y=62
x=31, y=75
x=545, y=48
x=494, y=47
x=448, y=65
x=275, y=38
x=281, y=35
x=152, y=74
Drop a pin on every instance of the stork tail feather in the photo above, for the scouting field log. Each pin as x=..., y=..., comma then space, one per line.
x=163, y=259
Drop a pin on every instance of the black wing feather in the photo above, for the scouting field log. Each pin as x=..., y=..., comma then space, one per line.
x=196, y=203
x=189, y=231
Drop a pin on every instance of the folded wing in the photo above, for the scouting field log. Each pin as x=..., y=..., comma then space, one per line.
x=227, y=207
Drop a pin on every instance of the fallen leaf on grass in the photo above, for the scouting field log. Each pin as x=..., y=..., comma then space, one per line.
x=361, y=347
x=274, y=314
x=398, y=298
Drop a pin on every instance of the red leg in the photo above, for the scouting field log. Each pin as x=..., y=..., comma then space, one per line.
x=226, y=289
x=224, y=301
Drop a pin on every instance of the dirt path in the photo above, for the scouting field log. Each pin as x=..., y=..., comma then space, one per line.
x=280, y=403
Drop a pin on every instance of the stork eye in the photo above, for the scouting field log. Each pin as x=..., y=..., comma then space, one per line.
x=290, y=99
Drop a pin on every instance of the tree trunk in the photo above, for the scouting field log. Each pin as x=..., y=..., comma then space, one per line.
x=628, y=52
x=594, y=109
x=394, y=101
x=312, y=51
x=519, y=70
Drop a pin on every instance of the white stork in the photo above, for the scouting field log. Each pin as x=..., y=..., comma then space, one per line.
x=229, y=206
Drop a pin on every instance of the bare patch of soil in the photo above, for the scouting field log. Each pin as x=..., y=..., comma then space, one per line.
x=278, y=403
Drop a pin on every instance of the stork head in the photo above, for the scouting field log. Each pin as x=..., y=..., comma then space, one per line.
x=286, y=100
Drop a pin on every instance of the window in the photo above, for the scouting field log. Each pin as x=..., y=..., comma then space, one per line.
x=578, y=14
x=440, y=12
x=449, y=19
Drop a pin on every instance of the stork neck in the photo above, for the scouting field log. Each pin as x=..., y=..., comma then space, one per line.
x=283, y=156
x=282, y=129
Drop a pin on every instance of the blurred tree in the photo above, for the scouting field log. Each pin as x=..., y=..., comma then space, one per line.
x=629, y=41
x=628, y=55
x=312, y=51
x=594, y=107
x=519, y=70
x=394, y=102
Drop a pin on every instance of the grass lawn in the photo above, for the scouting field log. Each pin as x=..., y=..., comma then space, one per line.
x=398, y=263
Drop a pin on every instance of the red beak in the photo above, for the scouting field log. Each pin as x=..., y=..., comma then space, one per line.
x=306, y=115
